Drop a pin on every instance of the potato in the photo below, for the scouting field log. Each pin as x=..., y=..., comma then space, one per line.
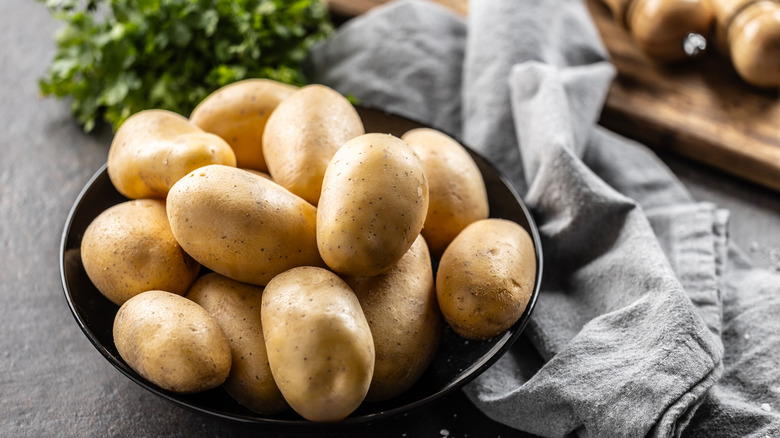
x=238, y=113
x=235, y=306
x=457, y=194
x=373, y=205
x=406, y=324
x=155, y=148
x=242, y=225
x=485, y=278
x=319, y=344
x=259, y=173
x=129, y=248
x=302, y=135
x=172, y=342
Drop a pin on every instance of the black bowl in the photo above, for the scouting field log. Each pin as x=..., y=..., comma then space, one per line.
x=457, y=362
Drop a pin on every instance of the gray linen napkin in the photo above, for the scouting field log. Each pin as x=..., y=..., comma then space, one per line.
x=649, y=323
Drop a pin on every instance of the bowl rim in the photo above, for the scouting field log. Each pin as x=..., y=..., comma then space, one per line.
x=471, y=372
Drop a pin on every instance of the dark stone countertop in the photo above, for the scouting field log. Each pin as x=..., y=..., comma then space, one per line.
x=54, y=383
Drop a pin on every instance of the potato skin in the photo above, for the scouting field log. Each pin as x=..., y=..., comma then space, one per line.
x=238, y=113
x=485, y=278
x=129, y=248
x=242, y=225
x=172, y=342
x=155, y=148
x=457, y=193
x=302, y=135
x=235, y=306
x=373, y=205
x=319, y=344
x=405, y=320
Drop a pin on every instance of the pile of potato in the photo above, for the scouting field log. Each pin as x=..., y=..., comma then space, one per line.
x=317, y=240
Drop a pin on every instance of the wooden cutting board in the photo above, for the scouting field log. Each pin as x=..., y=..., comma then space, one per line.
x=699, y=108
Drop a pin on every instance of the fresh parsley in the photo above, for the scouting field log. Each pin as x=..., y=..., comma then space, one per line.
x=117, y=57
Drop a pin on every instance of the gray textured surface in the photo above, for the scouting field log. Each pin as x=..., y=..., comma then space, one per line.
x=52, y=381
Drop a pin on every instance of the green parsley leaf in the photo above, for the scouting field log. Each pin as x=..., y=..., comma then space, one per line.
x=117, y=57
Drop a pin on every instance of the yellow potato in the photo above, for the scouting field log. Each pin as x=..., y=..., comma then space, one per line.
x=319, y=344
x=236, y=308
x=260, y=173
x=129, y=248
x=373, y=205
x=242, y=225
x=172, y=342
x=406, y=324
x=155, y=148
x=486, y=277
x=302, y=135
x=238, y=113
x=457, y=194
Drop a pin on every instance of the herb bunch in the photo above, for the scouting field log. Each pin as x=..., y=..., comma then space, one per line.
x=117, y=57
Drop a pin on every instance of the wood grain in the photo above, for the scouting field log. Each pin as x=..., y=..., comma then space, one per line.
x=699, y=108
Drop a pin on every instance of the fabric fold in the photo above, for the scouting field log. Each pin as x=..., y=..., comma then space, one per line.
x=693, y=236
x=413, y=43
x=573, y=97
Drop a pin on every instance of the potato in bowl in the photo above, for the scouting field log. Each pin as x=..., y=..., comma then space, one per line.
x=456, y=362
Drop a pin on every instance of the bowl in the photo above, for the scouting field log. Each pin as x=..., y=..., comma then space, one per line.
x=457, y=362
